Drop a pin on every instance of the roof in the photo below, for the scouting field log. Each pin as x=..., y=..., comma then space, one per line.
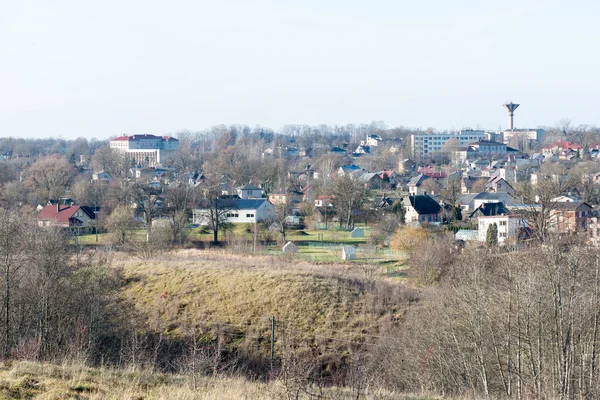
x=466, y=198
x=250, y=187
x=62, y=214
x=489, y=210
x=351, y=167
x=417, y=180
x=471, y=180
x=487, y=143
x=238, y=204
x=491, y=196
x=467, y=234
x=570, y=205
x=366, y=177
x=424, y=204
x=145, y=136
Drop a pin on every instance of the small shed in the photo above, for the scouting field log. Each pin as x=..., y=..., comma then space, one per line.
x=348, y=253
x=290, y=248
x=357, y=233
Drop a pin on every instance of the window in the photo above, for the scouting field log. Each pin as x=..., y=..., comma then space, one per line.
x=502, y=234
x=249, y=215
x=502, y=223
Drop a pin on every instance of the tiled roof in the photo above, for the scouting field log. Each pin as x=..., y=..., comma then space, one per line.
x=61, y=214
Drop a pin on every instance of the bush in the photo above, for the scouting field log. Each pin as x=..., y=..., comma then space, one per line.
x=407, y=238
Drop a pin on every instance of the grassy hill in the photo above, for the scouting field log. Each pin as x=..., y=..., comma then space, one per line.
x=195, y=289
x=330, y=309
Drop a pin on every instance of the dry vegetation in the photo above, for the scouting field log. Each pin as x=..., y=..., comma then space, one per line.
x=228, y=300
x=27, y=380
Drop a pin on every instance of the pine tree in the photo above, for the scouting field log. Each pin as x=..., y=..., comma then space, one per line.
x=491, y=238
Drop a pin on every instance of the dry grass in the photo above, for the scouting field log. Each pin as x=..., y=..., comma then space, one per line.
x=193, y=289
x=27, y=380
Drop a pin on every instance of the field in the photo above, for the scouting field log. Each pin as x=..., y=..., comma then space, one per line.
x=27, y=380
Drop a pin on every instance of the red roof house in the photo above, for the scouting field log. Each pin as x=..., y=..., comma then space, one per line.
x=65, y=216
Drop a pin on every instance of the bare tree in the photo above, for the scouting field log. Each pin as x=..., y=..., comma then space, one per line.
x=120, y=221
x=349, y=194
x=50, y=176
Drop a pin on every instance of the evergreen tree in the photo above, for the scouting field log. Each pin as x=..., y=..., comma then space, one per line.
x=491, y=238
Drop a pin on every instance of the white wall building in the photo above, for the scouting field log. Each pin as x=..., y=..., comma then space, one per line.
x=239, y=211
x=514, y=136
x=250, y=192
x=508, y=226
x=146, y=149
x=423, y=144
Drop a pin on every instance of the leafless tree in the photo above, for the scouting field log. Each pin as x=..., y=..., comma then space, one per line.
x=50, y=176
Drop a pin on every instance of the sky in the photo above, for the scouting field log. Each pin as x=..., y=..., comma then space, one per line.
x=71, y=68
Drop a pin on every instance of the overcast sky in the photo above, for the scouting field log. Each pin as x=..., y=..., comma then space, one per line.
x=79, y=68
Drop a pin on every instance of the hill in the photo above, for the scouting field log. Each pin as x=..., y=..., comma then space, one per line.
x=325, y=312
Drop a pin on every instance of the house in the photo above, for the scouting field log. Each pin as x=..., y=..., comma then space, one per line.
x=102, y=176
x=291, y=196
x=472, y=184
x=422, y=209
x=58, y=215
x=423, y=184
x=570, y=217
x=250, y=191
x=370, y=180
x=372, y=140
x=337, y=150
x=432, y=172
x=480, y=164
x=489, y=210
x=467, y=202
x=508, y=226
x=347, y=169
x=488, y=197
x=324, y=201
x=292, y=152
x=362, y=149
x=237, y=211
x=498, y=184
x=569, y=198
x=390, y=178
x=487, y=148
x=406, y=166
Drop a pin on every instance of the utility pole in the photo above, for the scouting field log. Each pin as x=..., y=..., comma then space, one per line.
x=96, y=218
x=272, y=341
x=255, y=233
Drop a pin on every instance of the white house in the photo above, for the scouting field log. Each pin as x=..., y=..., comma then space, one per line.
x=238, y=211
x=508, y=226
x=102, y=176
x=250, y=192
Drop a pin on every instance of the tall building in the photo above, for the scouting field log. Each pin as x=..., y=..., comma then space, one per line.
x=515, y=136
x=423, y=144
x=146, y=149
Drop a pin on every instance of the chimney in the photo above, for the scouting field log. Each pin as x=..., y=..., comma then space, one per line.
x=57, y=207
